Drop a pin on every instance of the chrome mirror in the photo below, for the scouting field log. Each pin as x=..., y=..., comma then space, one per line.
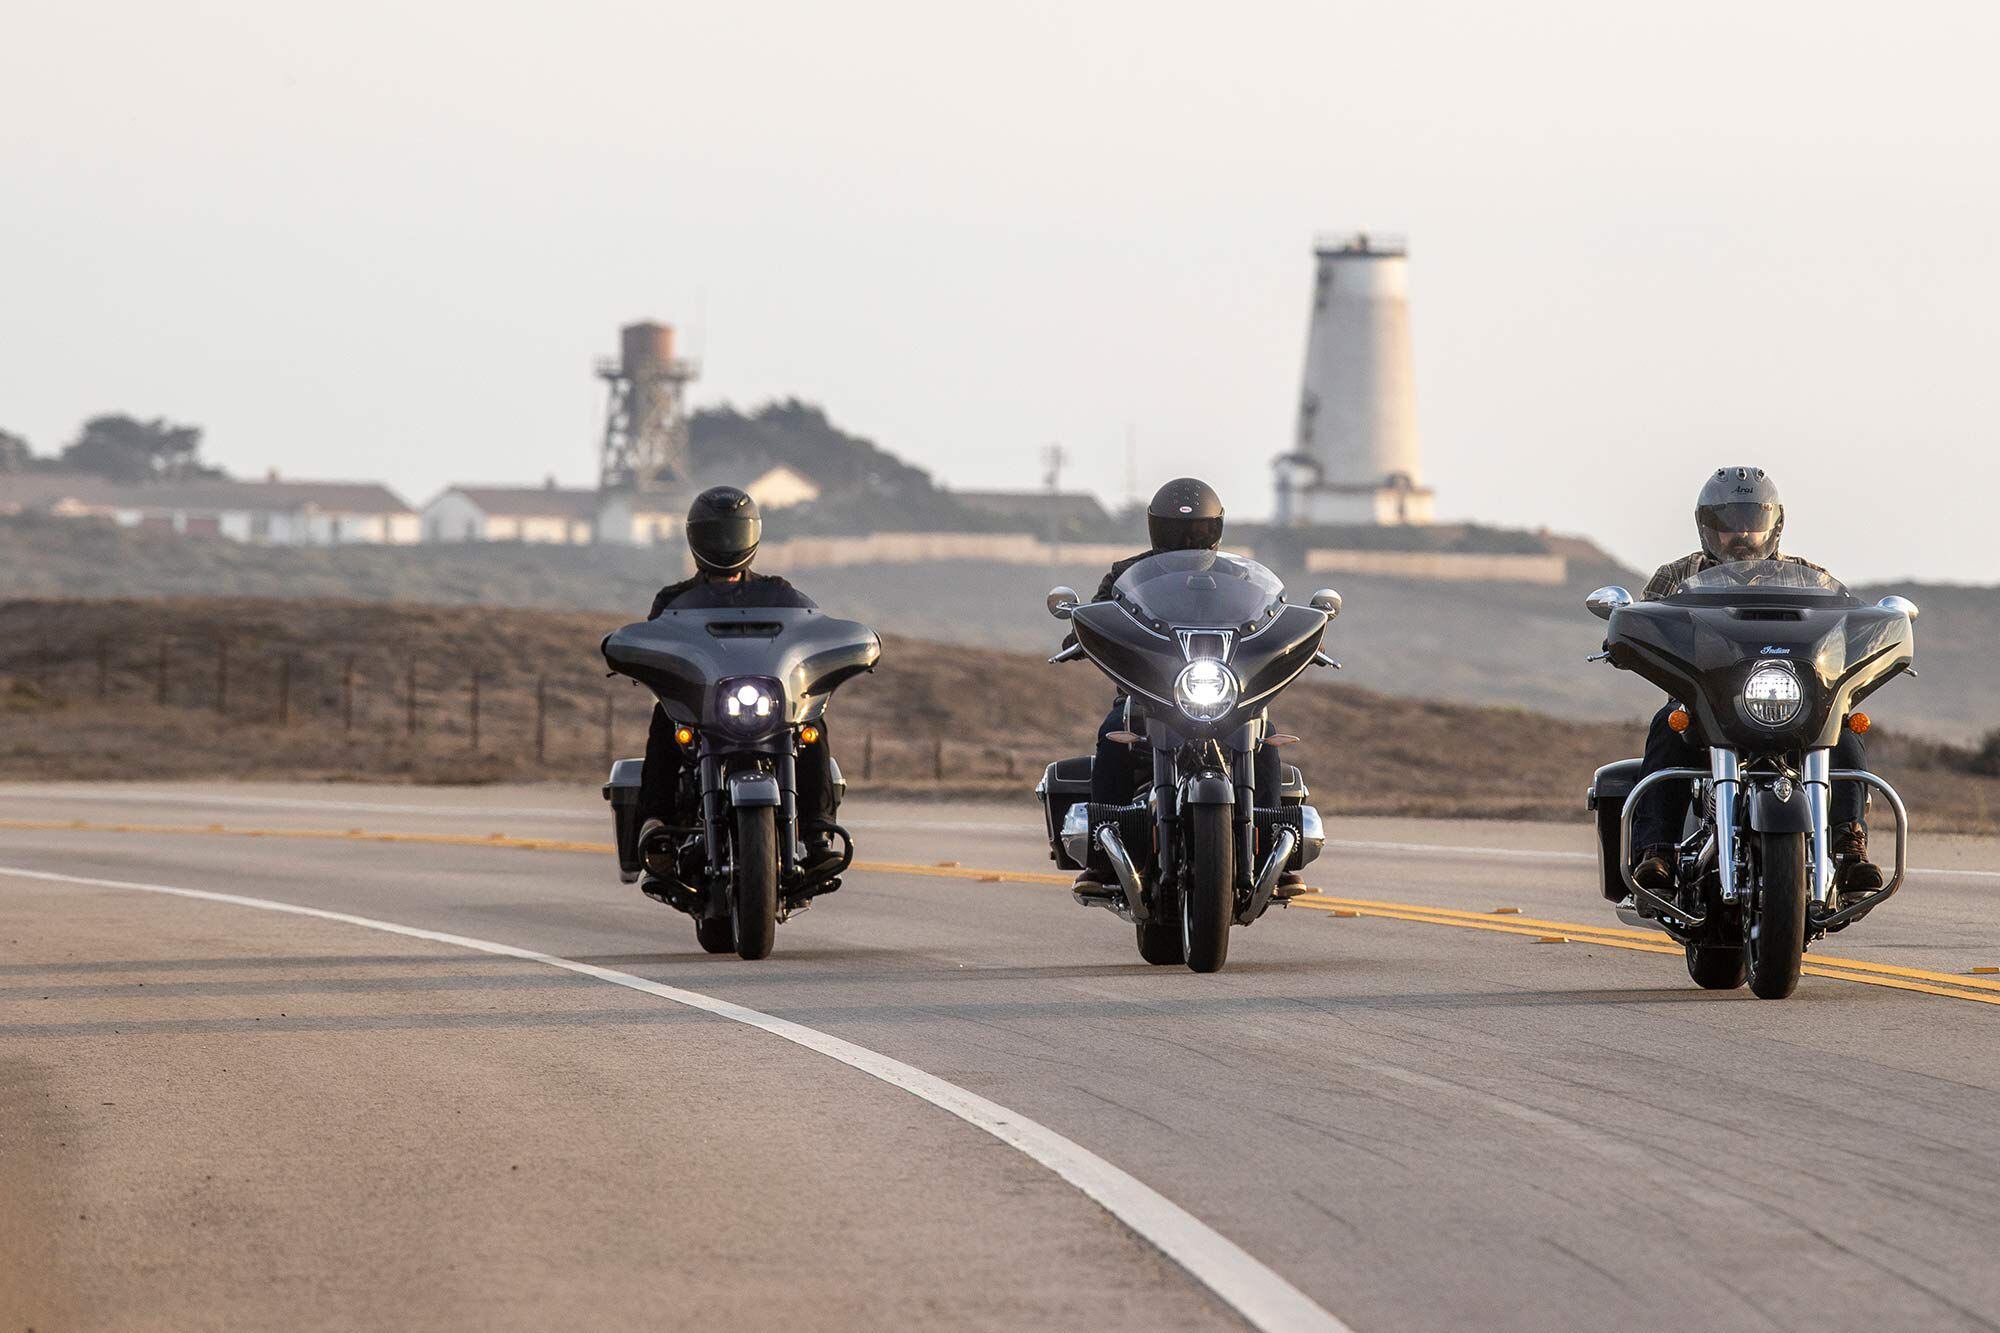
x=1606, y=600
x=1903, y=604
x=1062, y=602
x=1327, y=600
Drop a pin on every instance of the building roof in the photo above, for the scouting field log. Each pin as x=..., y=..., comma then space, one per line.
x=41, y=490
x=1039, y=506
x=530, y=501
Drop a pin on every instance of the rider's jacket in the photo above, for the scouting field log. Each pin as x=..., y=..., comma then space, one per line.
x=1668, y=578
x=702, y=593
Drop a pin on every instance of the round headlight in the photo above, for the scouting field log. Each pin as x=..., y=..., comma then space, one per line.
x=750, y=704
x=1205, y=689
x=1772, y=695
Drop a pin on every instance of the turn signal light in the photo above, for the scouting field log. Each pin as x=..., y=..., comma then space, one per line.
x=1858, y=723
x=1679, y=720
x=685, y=735
x=808, y=734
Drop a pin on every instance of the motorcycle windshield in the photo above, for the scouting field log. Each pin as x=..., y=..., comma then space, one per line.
x=1764, y=576
x=1201, y=590
x=682, y=656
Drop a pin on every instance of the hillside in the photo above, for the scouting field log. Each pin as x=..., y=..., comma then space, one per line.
x=305, y=689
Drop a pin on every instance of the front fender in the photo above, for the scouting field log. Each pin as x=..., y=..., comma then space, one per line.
x=1768, y=814
x=1208, y=789
x=752, y=789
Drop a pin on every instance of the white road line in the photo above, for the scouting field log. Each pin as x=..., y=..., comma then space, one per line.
x=1551, y=854
x=1264, y=1299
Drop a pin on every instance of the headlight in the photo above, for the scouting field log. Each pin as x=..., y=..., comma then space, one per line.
x=1772, y=695
x=751, y=704
x=1205, y=689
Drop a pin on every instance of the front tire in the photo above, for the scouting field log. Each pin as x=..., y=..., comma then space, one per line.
x=1160, y=942
x=715, y=934
x=1716, y=966
x=1775, y=930
x=1208, y=886
x=755, y=886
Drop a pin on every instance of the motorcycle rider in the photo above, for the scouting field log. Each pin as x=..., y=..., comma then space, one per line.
x=1185, y=515
x=724, y=528
x=1739, y=517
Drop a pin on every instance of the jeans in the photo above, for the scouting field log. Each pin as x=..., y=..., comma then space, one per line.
x=1663, y=807
x=667, y=759
x=1119, y=769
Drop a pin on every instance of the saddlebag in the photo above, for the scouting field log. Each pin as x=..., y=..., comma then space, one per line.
x=1606, y=799
x=622, y=790
x=1064, y=783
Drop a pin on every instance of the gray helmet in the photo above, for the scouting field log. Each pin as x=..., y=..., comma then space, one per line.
x=1186, y=515
x=1739, y=515
x=723, y=529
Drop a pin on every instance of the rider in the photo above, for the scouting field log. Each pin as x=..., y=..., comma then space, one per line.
x=723, y=529
x=1185, y=515
x=1739, y=517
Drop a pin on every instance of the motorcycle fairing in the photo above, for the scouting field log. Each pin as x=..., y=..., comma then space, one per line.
x=681, y=655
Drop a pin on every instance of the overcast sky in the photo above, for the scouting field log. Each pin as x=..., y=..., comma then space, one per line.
x=389, y=240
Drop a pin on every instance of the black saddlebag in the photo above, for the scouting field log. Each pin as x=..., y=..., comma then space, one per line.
x=1064, y=783
x=622, y=790
x=1606, y=799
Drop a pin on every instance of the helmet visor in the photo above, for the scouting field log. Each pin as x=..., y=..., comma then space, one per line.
x=724, y=543
x=1740, y=530
x=1184, y=534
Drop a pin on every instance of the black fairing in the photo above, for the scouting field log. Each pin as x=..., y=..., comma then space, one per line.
x=1700, y=649
x=681, y=655
x=1132, y=638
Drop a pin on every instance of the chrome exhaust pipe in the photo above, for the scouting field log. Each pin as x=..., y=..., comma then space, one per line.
x=1121, y=864
x=1267, y=877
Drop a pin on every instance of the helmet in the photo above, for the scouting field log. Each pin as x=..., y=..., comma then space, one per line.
x=1186, y=515
x=723, y=530
x=1739, y=515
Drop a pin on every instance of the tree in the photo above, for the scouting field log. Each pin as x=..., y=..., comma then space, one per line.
x=14, y=453
x=126, y=449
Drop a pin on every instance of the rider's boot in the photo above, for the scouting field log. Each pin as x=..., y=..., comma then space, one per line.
x=663, y=871
x=1092, y=882
x=1854, y=875
x=1654, y=871
x=820, y=857
x=1290, y=884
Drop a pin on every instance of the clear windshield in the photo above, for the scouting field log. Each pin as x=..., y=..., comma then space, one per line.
x=1765, y=576
x=1201, y=588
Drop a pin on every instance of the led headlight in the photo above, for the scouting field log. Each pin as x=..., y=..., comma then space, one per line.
x=1205, y=689
x=1772, y=695
x=751, y=704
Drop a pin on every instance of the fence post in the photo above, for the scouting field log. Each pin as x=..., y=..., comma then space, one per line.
x=413, y=696
x=221, y=675
x=937, y=757
x=285, y=690
x=610, y=704
x=103, y=668
x=160, y=694
x=868, y=756
x=347, y=695
x=475, y=710
x=541, y=719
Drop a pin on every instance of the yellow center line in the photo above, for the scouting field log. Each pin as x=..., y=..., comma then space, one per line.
x=1841, y=969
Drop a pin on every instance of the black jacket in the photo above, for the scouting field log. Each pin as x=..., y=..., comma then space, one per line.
x=702, y=593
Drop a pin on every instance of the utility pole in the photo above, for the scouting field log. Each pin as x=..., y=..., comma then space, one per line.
x=1053, y=458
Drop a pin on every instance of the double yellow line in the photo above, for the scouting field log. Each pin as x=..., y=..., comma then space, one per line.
x=1945, y=984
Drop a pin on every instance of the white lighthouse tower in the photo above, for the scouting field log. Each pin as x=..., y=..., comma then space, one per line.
x=1356, y=459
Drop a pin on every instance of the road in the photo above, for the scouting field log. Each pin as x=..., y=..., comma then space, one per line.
x=1404, y=1104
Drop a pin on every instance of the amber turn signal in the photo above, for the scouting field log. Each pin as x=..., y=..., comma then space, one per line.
x=808, y=734
x=685, y=735
x=1679, y=720
x=1858, y=723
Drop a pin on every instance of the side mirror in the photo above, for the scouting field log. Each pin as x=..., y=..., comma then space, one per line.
x=1062, y=602
x=1606, y=600
x=1327, y=600
x=1903, y=604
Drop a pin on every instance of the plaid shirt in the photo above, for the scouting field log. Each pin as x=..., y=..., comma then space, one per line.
x=1667, y=579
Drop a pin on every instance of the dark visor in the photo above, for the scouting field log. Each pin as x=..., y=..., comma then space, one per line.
x=1740, y=517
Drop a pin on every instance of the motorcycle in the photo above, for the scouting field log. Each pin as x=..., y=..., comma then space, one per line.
x=1200, y=642
x=1768, y=661
x=746, y=689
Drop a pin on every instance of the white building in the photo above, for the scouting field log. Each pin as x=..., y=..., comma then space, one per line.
x=271, y=512
x=1357, y=460
x=545, y=515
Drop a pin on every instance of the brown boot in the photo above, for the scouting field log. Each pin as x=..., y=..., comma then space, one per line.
x=1654, y=871
x=1095, y=883
x=1854, y=875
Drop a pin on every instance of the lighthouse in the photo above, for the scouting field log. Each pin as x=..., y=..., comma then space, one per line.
x=1355, y=459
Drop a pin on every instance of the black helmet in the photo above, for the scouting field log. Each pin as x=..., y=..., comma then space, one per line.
x=723, y=530
x=1739, y=515
x=1186, y=515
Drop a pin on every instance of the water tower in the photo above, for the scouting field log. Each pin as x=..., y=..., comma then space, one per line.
x=1356, y=459
x=645, y=419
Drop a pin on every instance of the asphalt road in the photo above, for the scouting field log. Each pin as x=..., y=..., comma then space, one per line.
x=1415, y=1108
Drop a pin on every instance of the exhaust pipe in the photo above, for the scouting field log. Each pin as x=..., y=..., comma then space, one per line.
x=1121, y=863
x=1267, y=878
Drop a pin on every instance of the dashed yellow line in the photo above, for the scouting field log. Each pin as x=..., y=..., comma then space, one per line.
x=1840, y=969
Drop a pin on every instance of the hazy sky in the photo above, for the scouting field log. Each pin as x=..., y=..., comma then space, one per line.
x=389, y=240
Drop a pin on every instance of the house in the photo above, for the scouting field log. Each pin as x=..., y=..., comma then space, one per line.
x=547, y=514
x=271, y=512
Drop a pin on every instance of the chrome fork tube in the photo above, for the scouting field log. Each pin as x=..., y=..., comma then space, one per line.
x=1725, y=775
x=1819, y=801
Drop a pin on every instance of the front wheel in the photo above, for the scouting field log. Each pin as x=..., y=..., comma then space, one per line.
x=755, y=877
x=715, y=934
x=1715, y=966
x=1774, y=934
x=1208, y=886
x=1160, y=942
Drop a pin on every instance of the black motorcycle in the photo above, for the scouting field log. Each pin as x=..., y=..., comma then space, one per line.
x=746, y=688
x=1200, y=642
x=1768, y=661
